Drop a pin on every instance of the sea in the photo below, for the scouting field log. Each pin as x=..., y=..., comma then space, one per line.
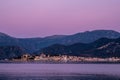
x=42, y=71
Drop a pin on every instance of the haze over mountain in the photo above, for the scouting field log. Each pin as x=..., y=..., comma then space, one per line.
x=31, y=18
x=34, y=44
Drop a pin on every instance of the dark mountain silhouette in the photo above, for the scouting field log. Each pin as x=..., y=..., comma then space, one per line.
x=35, y=44
x=6, y=40
x=8, y=52
x=103, y=47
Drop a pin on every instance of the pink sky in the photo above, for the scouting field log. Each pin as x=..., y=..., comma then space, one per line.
x=38, y=18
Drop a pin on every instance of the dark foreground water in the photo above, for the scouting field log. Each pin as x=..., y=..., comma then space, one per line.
x=59, y=71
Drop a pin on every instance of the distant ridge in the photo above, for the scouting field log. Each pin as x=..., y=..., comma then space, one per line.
x=35, y=44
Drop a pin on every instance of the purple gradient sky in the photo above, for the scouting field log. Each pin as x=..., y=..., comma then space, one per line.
x=36, y=18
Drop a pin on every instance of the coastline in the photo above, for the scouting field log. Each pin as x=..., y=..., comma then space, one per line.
x=54, y=62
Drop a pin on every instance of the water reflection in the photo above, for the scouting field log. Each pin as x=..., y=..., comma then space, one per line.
x=59, y=71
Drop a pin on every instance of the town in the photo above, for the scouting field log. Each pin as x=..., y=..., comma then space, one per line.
x=64, y=58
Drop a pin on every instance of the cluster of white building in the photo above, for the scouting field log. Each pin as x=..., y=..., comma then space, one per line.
x=65, y=58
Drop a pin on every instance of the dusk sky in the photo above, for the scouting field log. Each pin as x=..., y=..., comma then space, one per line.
x=39, y=18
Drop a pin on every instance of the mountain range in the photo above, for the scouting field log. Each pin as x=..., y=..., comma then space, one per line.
x=97, y=43
x=31, y=45
x=103, y=47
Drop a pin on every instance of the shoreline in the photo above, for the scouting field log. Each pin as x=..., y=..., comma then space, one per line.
x=54, y=62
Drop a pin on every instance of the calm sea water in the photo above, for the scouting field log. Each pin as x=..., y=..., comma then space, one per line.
x=59, y=71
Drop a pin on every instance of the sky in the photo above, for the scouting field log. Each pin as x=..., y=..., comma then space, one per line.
x=39, y=18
